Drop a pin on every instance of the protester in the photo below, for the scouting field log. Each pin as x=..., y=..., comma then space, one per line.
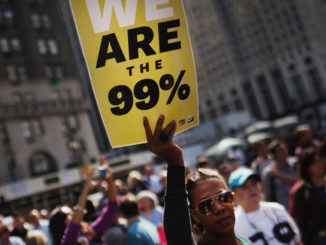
x=116, y=233
x=152, y=180
x=36, y=237
x=237, y=153
x=305, y=138
x=150, y=210
x=136, y=182
x=210, y=202
x=19, y=228
x=261, y=222
x=37, y=223
x=139, y=231
x=224, y=170
x=263, y=158
x=44, y=214
x=278, y=177
x=232, y=162
x=202, y=162
x=160, y=195
x=69, y=234
x=6, y=239
x=310, y=198
x=121, y=187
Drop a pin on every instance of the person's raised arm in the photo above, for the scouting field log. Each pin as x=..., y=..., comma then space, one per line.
x=177, y=227
x=103, y=222
x=71, y=232
x=78, y=214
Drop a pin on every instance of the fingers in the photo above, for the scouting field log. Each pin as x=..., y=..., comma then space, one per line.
x=159, y=125
x=170, y=129
x=148, y=129
x=173, y=128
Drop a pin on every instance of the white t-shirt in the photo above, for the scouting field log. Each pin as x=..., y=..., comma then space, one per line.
x=270, y=224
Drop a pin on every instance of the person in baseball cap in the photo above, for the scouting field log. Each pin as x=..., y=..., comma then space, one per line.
x=256, y=219
x=240, y=176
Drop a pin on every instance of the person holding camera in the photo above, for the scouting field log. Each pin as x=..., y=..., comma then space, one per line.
x=66, y=231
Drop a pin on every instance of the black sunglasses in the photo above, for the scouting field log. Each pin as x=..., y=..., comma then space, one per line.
x=206, y=206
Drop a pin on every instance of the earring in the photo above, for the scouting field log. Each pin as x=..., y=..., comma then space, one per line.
x=198, y=229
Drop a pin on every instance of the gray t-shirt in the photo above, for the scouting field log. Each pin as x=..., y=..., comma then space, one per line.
x=276, y=189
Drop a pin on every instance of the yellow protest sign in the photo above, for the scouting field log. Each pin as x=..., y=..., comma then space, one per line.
x=140, y=63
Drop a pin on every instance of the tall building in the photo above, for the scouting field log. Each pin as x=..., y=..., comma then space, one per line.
x=266, y=57
x=48, y=124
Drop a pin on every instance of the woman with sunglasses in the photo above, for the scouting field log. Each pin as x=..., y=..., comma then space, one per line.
x=210, y=202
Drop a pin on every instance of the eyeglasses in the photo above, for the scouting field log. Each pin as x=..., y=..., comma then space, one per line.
x=206, y=206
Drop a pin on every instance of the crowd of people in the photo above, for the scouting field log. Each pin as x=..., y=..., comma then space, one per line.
x=275, y=196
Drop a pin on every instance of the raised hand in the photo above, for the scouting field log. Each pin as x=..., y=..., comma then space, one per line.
x=161, y=141
x=89, y=183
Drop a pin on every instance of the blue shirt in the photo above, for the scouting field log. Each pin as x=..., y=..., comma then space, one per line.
x=142, y=232
x=156, y=216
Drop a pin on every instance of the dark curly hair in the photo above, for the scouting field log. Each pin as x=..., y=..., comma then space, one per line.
x=199, y=175
x=57, y=223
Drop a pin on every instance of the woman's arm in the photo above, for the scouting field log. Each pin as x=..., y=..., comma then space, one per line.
x=177, y=227
x=71, y=233
x=103, y=222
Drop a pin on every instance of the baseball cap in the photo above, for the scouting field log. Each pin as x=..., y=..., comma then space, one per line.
x=240, y=176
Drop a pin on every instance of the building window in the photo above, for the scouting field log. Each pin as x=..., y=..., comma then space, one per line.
x=238, y=105
x=251, y=98
x=299, y=89
x=10, y=45
x=48, y=47
x=27, y=131
x=32, y=129
x=11, y=73
x=212, y=114
x=16, y=74
x=208, y=102
x=46, y=22
x=234, y=92
x=76, y=145
x=11, y=163
x=36, y=22
x=42, y=47
x=53, y=46
x=70, y=124
x=22, y=73
x=62, y=95
x=5, y=45
x=266, y=95
x=42, y=163
x=8, y=17
x=16, y=45
x=51, y=71
x=220, y=97
x=202, y=118
x=225, y=109
x=282, y=89
x=317, y=83
x=41, y=22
